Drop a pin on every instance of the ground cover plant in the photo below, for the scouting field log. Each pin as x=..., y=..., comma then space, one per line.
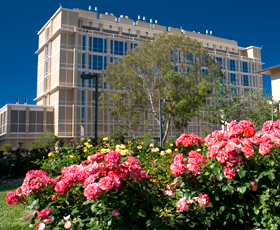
x=12, y=218
x=228, y=180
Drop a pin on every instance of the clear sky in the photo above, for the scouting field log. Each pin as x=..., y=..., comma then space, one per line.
x=246, y=21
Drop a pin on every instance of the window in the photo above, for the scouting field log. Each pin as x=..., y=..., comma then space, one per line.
x=105, y=84
x=83, y=60
x=133, y=45
x=99, y=45
x=90, y=44
x=233, y=78
x=36, y=121
x=125, y=48
x=105, y=62
x=97, y=62
x=253, y=67
x=254, y=81
x=89, y=61
x=84, y=42
x=18, y=121
x=232, y=65
x=83, y=97
x=245, y=66
x=245, y=80
x=117, y=47
x=83, y=80
x=220, y=62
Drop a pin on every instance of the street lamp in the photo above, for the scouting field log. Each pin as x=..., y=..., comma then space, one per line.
x=20, y=144
x=89, y=77
x=160, y=101
x=73, y=141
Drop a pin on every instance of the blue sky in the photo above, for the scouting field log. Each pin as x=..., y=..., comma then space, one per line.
x=248, y=22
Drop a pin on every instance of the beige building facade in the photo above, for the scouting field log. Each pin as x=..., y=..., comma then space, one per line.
x=75, y=42
x=22, y=123
x=274, y=72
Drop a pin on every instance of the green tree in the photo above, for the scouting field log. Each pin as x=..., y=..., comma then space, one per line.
x=171, y=67
x=229, y=102
x=45, y=140
x=6, y=148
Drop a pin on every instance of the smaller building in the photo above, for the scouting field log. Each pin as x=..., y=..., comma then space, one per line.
x=274, y=72
x=22, y=123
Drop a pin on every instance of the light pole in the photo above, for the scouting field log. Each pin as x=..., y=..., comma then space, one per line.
x=88, y=77
x=20, y=144
x=160, y=125
x=73, y=141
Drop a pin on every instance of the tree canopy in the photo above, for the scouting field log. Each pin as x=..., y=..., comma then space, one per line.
x=171, y=67
x=229, y=102
x=45, y=140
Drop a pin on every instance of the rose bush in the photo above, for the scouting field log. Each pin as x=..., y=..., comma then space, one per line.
x=228, y=180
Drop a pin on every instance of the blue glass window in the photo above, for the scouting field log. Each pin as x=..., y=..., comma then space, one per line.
x=245, y=80
x=90, y=44
x=232, y=65
x=105, y=62
x=83, y=97
x=233, y=78
x=220, y=62
x=253, y=67
x=89, y=83
x=105, y=45
x=105, y=84
x=245, y=66
x=84, y=42
x=125, y=48
x=97, y=62
x=133, y=45
x=82, y=113
x=83, y=81
x=118, y=48
x=112, y=47
x=89, y=61
x=83, y=60
x=98, y=45
x=190, y=58
x=254, y=81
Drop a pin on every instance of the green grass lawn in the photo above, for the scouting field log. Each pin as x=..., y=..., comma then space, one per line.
x=11, y=217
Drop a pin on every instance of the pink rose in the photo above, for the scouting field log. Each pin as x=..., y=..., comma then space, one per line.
x=229, y=173
x=254, y=185
x=68, y=225
x=168, y=193
x=264, y=148
x=115, y=212
x=177, y=168
x=203, y=200
x=106, y=183
x=92, y=191
x=182, y=204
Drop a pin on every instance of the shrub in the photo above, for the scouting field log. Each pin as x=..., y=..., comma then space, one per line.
x=229, y=180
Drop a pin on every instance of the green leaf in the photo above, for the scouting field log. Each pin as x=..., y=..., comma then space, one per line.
x=241, y=173
x=149, y=223
x=93, y=208
x=220, y=176
x=142, y=213
x=230, y=189
x=271, y=176
x=241, y=213
x=243, y=189
x=133, y=209
x=222, y=208
x=208, y=222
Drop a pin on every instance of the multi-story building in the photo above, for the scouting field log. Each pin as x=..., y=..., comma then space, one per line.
x=76, y=42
